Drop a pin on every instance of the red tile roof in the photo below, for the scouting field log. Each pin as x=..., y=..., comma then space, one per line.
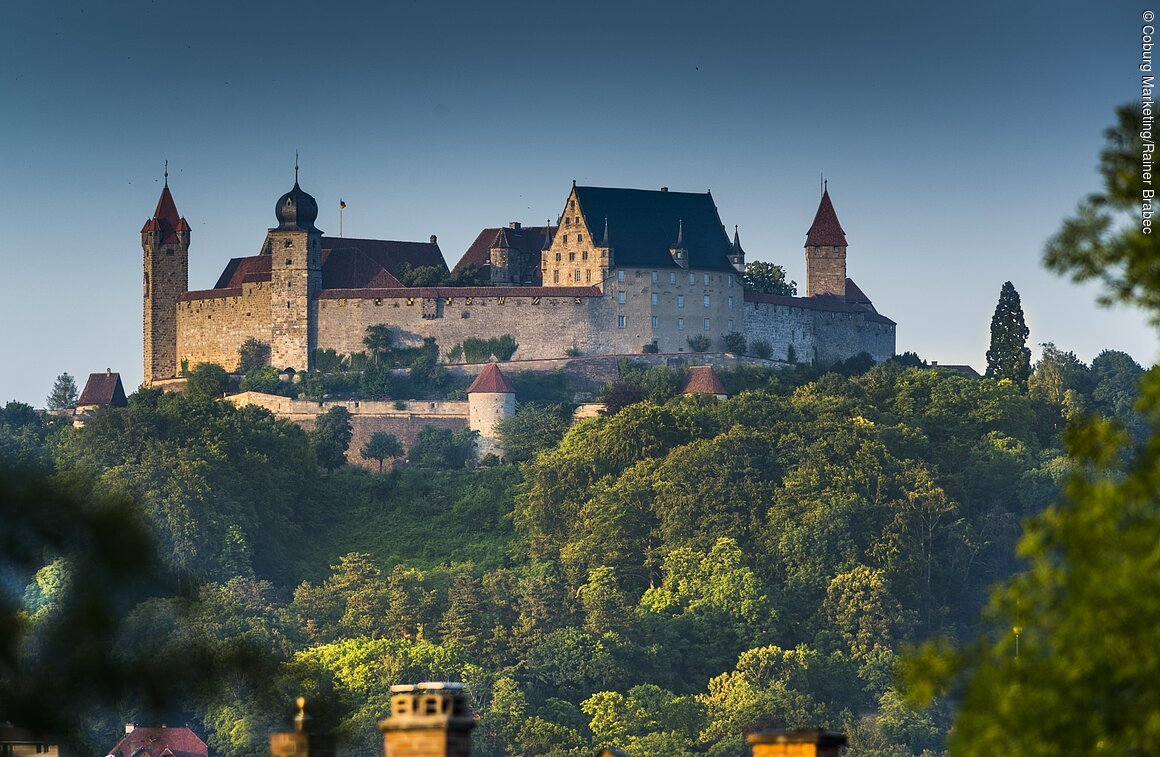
x=702, y=380
x=103, y=390
x=526, y=242
x=826, y=231
x=181, y=742
x=238, y=270
x=166, y=219
x=490, y=381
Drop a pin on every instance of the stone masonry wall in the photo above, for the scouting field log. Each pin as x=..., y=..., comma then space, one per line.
x=213, y=329
x=825, y=271
x=543, y=327
x=781, y=326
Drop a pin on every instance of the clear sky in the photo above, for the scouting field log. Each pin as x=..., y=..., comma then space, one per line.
x=955, y=137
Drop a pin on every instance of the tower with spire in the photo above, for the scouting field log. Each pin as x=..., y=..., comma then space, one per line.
x=826, y=252
x=295, y=250
x=736, y=254
x=165, y=243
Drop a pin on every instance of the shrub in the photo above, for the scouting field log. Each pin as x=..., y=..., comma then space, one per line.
x=206, y=380
x=503, y=347
x=572, y=351
x=650, y=349
x=327, y=361
x=252, y=355
x=791, y=354
x=476, y=350
x=698, y=343
x=735, y=343
x=761, y=348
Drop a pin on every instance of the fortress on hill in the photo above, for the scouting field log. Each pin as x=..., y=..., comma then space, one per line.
x=622, y=269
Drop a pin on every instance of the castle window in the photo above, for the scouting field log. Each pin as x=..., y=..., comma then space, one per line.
x=706, y=279
x=654, y=298
x=680, y=300
x=654, y=321
x=571, y=257
x=672, y=278
x=730, y=281
x=620, y=321
x=706, y=324
x=706, y=300
x=288, y=261
x=576, y=278
x=692, y=278
x=620, y=297
x=680, y=324
x=587, y=275
x=730, y=322
x=557, y=257
x=730, y=302
x=654, y=277
x=556, y=276
x=584, y=255
x=565, y=239
x=620, y=276
x=579, y=238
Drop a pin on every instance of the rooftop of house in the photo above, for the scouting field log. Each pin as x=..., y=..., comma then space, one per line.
x=526, y=241
x=825, y=230
x=490, y=381
x=702, y=379
x=160, y=742
x=103, y=390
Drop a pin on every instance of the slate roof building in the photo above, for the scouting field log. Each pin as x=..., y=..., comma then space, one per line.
x=623, y=270
x=102, y=390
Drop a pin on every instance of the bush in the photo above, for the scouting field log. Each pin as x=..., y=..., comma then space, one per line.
x=327, y=361
x=572, y=351
x=442, y=448
x=375, y=383
x=650, y=349
x=253, y=355
x=206, y=380
x=761, y=348
x=735, y=343
x=503, y=347
x=699, y=343
x=791, y=354
x=476, y=350
x=266, y=380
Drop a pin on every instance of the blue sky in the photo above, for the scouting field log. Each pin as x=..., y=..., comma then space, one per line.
x=955, y=137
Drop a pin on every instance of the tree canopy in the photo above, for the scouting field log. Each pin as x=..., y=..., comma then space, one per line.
x=1008, y=356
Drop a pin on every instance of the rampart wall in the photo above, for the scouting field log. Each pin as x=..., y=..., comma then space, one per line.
x=211, y=329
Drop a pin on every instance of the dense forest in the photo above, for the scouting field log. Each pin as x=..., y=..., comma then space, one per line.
x=662, y=579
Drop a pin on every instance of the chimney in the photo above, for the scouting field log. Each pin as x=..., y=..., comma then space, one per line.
x=299, y=742
x=130, y=727
x=514, y=225
x=809, y=742
x=664, y=189
x=429, y=719
x=434, y=239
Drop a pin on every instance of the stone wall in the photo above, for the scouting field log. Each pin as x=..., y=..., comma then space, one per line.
x=825, y=271
x=542, y=326
x=213, y=329
x=781, y=326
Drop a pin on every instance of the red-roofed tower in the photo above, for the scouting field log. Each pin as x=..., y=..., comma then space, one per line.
x=165, y=243
x=490, y=399
x=826, y=252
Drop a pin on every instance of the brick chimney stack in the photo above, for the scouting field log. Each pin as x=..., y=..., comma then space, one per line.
x=810, y=742
x=299, y=742
x=428, y=720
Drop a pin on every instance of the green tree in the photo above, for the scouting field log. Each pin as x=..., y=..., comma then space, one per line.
x=699, y=343
x=331, y=437
x=735, y=343
x=206, y=381
x=64, y=393
x=379, y=340
x=1008, y=356
x=1059, y=666
x=768, y=278
x=533, y=428
x=380, y=446
x=253, y=355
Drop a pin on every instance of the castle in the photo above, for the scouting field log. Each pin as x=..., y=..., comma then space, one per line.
x=622, y=271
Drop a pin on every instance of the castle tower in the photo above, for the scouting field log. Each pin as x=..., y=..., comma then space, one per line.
x=490, y=399
x=165, y=243
x=826, y=252
x=295, y=249
x=428, y=720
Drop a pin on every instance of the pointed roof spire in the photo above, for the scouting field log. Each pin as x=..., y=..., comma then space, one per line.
x=605, y=243
x=737, y=241
x=501, y=240
x=680, y=233
x=165, y=218
x=826, y=231
x=167, y=173
x=547, y=236
x=295, y=168
x=490, y=381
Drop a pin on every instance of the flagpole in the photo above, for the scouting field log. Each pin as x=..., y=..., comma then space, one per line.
x=341, y=207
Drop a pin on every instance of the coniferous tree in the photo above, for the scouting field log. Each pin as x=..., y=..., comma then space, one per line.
x=1009, y=356
x=64, y=393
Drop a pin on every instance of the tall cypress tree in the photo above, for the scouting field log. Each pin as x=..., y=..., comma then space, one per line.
x=1009, y=356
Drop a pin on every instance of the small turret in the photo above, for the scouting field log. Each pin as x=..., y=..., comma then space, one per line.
x=736, y=254
x=165, y=241
x=490, y=399
x=677, y=249
x=500, y=255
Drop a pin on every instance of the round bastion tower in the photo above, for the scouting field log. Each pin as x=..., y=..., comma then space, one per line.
x=490, y=399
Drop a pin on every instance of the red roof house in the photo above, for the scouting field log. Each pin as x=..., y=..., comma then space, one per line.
x=159, y=742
